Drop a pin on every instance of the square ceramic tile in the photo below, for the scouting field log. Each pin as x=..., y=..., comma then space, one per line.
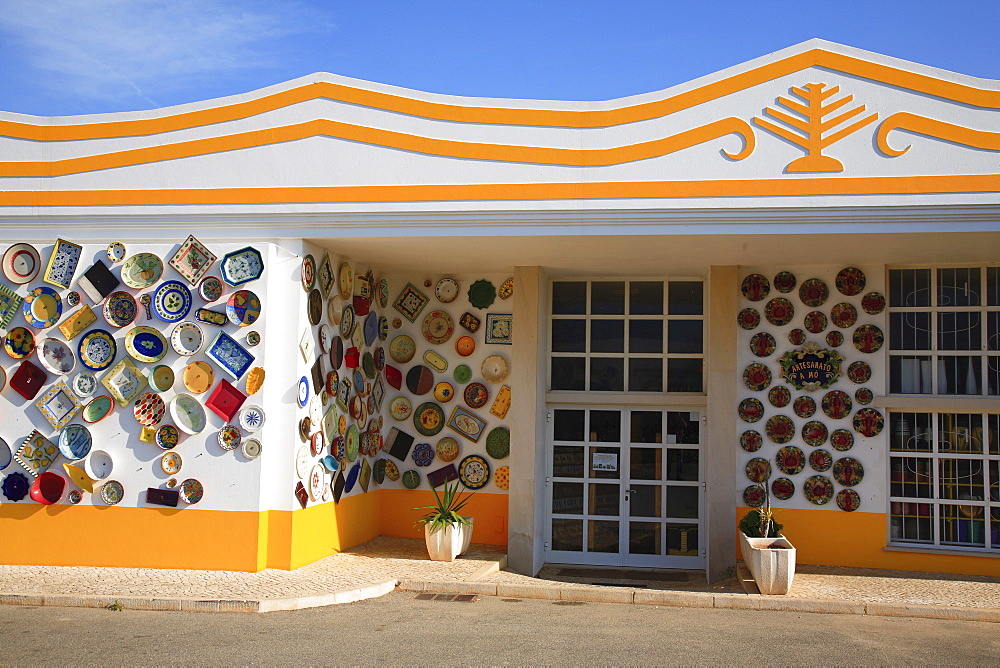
x=192, y=260
x=498, y=328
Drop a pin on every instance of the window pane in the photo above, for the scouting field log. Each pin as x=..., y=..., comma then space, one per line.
x=911, y=477
x=960, y=479
x=607, y=298
x=567, y=462
x=606, y=426
x=567, y=535
x=993, y=330
x=569, y=336
x=959, y=287
x=995, y=485
x=993, y=287
x=644, y=501
x=959, y=331
x=910, y=331
x=963, y=525
x=607, y=374
x=960, y=432
x=607, y=336
x=645, y=336
x=602, y=536
x=685, y=298
x=910, y=287
x=682, y=502
x=568, y=373
x=682, y=464
x=684, y=336
x=567, y=498
x=994, y=437
x=646, y=298
x=682, y=540
x=645, y=375
x=603, y=499
x=569, y=298
x=568, y=425
x=911, y=432
x=684, y=375
x=960, y=375
x=683, y=427
x=646, y=427
x=911, y=374
x=644, y=537
x=993, y=375
x=645, y=464
x=911, y=522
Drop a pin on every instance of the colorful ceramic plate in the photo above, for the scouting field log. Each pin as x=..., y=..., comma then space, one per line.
x=243, y=308
x=868, y=338
x=868, y=422
x=762, y=344
x=850, y=281
x=476, y=395
x=797, y=336
x=149, y=409
x=848, y=500
x=804, y=406
x=873, y=303
x=848, y=471
x=19, y=342
x=446, y=290
x=21, y=263
x=864, y=396
x=75, y=442
x=225, y=400
x=400, y=408
x=494, y=369
x=346, y=281
x=836, y=404
x=748, y=318
x=462, y=373
x=784, y=281
x=782, y=488
x=758, y=469
x=779, y=311
x=437, y=327
x=352, y=442
x=815, y=322
x=756, y=377
x=751, y=441
x=779, y=396
x=97, y=350
x=402, y=349
x=55, y=355
x=191, y=491
x=142, y=270
x=753, y=496
x=210, y=289
x=482, y=294
x=818, y=489
x=230, y=355
x=834, y=338
x=242, y=266
x=498, y=442
x=813, y=292
x=167, y=437
x=6, y=457
x=755, y=287
x=474, y=472
x=251, y=418
x=814, y=433
x=145, y=344
x=188, y=414
x=97, y=409
x=317, y=480
x=229, y=437
x=187, y=338
x=170, y=463
x=42, y=307
x=842, y=439
x=447, y=449
x=843, y=315
x=751, y=410
x=422, y=454
x=859, y=372
x=198, y=377
x=112, y=492
x=428, y=419
x=820, y=460
x=348, y=320
x=171, y=301
x=790, y=459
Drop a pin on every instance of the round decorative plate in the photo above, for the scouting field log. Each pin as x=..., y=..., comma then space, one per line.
x=211, y=288
x=753, y=496
x=251, y=448
x=762, y=344
x=97, y=409
x=352, y=441
x=19, y=342
x=864, y=396
x=400, y=408
x=813, y=292
x=75, y=496
x=501, y=477
x=316, y=480
x=779, y=429
x=302, y=460
x=191, y=491
x=755, y=287
x=820, y=460
x=797, y=336
x=814, y=433
x=251, y=418
x=446, y=290
x=850, y=281
x=171, y=301
x=842, y=439
x=444, y=392
x=73, y=298
x=474, y=472
x=16, y=486
x=142, y=270
x=834, y=338
x=308, y=273
x=482, y=294
x=419, y=380
x=392, y=471
x=253, y=338
x=346, y=280
x=42, y=307
x=170, y=463
x=428, y=418
x=873, y=303
x=868, y=338
x=75, y=442
x=447, y=449
x=187, y=339
x=423, y=454
x=494, y=369
x=314, y=306
x=97, y=350
x=784, y=281
x=476, y=395
x=751, y=410
x=815, y=322
x=748, y=318
x=21, y=263
x=438, y=327
x=779, y=311
x=782, y=488
x=198, y=377
x=167, y=437
x=843, y=315
x=120, y=309
x=751, y=441
x=758, y=469
x=498, y=442
x=334, y=309
x=145, y=344
x=868, y=422
x=55, y=355
x=112, y=492
x=84, y=384
x=790, y=459
x=836, y=404
x=756, y=377
x=161, y=378
x=229, y=437
x=804, y=406
x=859, y=372
x=848, y=471
x=848, y=499
x=463, y=373
x=411, y=478
x=187, y=414
x=243, y=308
x=347, y=322
x=818, y=489
x=779, y=396
x=149, y=409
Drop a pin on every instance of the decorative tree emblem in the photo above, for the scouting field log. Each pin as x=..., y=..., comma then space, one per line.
x=808, y=132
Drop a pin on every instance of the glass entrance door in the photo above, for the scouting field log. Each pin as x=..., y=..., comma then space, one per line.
x=625, y=487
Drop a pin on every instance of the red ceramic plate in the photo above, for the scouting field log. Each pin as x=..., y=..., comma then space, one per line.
x=226, y=400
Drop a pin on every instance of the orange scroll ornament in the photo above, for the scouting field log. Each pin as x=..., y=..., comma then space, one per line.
x=929, y=127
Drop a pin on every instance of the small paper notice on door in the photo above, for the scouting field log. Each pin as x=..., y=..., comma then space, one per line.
x=605, y=461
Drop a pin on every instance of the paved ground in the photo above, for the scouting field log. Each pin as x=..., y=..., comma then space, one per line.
x=384, y=564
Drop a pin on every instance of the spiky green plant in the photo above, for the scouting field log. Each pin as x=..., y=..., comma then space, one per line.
x=446, y=509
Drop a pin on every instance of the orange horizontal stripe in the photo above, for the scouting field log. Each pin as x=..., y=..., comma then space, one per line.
x=919, y=83
x=396, y=140
x=887, y=185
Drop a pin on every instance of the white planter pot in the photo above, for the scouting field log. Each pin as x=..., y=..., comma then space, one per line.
x=771, y=562
x=466, y=535
x=444, y=544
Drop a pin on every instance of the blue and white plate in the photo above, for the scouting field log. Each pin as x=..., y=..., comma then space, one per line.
x=171, y=301
x=230, y=355
x=75, y=442
x=97, y=350
x=145, y=344
x=242, y=266
x=6, y=457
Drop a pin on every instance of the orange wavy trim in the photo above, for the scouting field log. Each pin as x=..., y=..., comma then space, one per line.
x=396, y=140
x=929, y=127
x=886, y=185
x=960, y=93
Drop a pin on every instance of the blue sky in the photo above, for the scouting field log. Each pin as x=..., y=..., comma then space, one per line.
x=65, y=57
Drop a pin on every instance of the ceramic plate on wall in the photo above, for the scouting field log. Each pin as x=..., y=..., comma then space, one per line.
x=187, y=339
x=42, y=307
x=97, y=350
x=446, y=290
x=56, y=356
x=188, y=414
x=495, y=369
x=145, y=344
x=171, y=301
x=21, y=263
x=142, y=270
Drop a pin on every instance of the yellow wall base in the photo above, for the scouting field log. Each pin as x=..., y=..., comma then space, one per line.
x=828, y=538
x=399, y=517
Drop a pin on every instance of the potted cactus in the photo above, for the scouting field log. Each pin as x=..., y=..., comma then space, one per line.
x=447, y=533
x=768, y=554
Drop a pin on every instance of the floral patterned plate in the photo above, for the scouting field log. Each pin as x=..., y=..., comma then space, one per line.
x=753, y=496
x=790, y=459
x=779, y=311
x=251, y=418
x=751, y=441
x=868, y=422
x=814, y=433
x=842, y=439
x=112, y=492
x=859, y=372
x=755, y=287
x=818, y=489
x=834, y=338
x=848, y=500
x=836, y=404
x=762, y=344
x=779, y=396
x=191, y=491
x=229, y=437
x=758, y=469
x=820, y=460
x=813, y=292
x=804, y=406
x=784, y=281
x=782, y=488
x=780, y=429
x=748, y=318
x=797, y=337
x=757, y=377
x=868, y=338
x=120, y=309
x=751, y=410
x=843, y=315
x=850, y=281
x=864, y=396
x=873, y=303
x=815, y=322
x=848, y=471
